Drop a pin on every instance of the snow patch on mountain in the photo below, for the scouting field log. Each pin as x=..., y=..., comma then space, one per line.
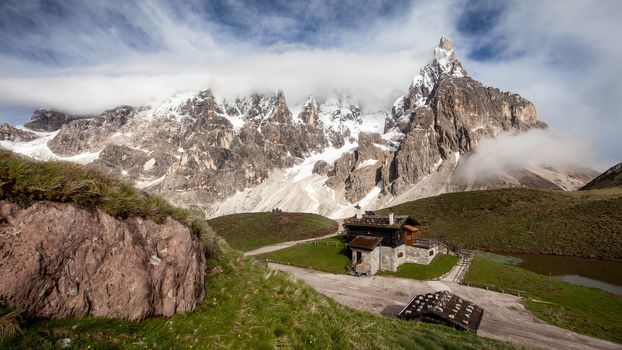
x=142, y=184
x=305, y=168
x=367, y=162
x=172, y=108
x=38, y=149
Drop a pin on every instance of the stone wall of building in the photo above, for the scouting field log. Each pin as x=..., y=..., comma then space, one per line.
x=392, y=258
x=369, y=257
x=421, y=255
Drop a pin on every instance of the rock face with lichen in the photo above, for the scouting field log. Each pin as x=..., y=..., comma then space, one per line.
x=59, y=261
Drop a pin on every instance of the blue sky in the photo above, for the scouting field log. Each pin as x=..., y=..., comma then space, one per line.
x=85, y=56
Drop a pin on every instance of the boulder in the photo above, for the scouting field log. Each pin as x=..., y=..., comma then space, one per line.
x=321, y=167
x=60, y=261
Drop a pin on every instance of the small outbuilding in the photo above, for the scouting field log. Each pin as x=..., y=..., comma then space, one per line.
x=365, y=254
x=443, y=308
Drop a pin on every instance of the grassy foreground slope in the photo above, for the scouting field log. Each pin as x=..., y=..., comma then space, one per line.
x=585, y=310
x=251, y=307
x=522, y=220
x=249, y=231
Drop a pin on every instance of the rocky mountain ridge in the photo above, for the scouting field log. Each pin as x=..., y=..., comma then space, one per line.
x=253, y=153
x=612, y=177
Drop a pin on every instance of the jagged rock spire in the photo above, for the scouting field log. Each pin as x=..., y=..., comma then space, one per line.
x=280, y=112
x=309, y=114
x=445, y=44
x=443, y=63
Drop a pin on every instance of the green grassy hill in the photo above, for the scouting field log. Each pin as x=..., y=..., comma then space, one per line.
x=249, y=231
x=521, y=220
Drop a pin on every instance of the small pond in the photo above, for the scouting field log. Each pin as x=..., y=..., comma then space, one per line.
x=603, y=274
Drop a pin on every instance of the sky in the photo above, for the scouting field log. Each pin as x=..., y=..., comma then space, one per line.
x=86, y=56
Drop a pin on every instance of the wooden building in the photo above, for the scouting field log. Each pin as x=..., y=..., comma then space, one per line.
x=394, y=230
x=380, y=242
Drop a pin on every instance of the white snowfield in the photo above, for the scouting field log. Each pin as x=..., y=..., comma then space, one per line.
x=38, y=149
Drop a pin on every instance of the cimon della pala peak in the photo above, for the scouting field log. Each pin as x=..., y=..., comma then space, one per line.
x=256, y=153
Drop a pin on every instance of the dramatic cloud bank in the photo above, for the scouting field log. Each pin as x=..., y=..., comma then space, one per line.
x=83, y=57
x=532, y=149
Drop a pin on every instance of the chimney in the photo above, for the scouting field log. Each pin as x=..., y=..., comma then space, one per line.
x=359, y=213
x=391, y=221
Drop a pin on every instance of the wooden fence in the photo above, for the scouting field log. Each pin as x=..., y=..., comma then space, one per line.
x=487, y=286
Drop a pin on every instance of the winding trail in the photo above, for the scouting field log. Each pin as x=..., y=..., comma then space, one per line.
x=456, y=274
x=283, y=245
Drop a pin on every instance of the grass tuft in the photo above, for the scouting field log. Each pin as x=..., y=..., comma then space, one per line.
x=10, y=322
x=329, y=255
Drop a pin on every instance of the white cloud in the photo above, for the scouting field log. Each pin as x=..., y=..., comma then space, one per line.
x=561, y=55
x=534, y=148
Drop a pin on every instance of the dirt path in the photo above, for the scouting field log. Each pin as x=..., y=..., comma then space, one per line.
x=283, y=245
x=456, y=274
x=505, y=318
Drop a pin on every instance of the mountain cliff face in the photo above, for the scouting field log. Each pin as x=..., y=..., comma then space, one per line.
x=255, y=153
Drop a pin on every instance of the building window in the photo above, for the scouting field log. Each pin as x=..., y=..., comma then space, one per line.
x=399, y=255
x=431, y=252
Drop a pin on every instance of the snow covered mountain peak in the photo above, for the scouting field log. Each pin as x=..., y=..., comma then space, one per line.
x=443, y=63
x=445, y=60
x=445, y=44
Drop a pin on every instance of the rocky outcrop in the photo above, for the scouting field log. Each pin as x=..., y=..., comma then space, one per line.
x=89, y=134
x=321, y=167
x=49, y=120
x=59, y=260
x=309, y=114
x=9, y=133
x=360, y=171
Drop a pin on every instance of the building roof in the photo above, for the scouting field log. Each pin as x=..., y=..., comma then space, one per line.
x=376, y=221
x=365, y=242
x=444, y=307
